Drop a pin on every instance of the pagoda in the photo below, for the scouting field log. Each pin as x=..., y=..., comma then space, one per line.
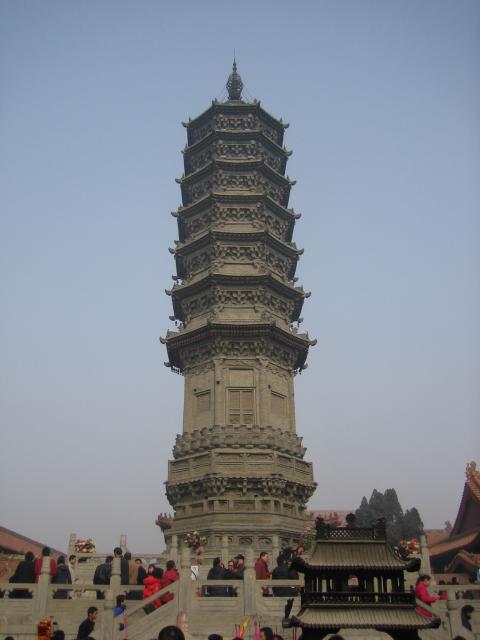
x=355, y=581
x=238, y=468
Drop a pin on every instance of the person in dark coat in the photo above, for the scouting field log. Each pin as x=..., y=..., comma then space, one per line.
x=466, y=616
x=102, y=575
x=88, y=625
x=239, y=566
x=62, y=577
x=142, y=572
x=281, y=572
x=217, y=572
x=137, y=575
x=24, y=572
x=124, y=568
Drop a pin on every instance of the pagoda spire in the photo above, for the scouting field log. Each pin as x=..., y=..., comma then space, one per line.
x=234, y=83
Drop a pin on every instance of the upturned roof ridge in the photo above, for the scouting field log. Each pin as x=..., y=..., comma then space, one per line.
x=217, y=106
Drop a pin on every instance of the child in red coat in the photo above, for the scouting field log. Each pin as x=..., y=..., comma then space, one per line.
x=170, y=575
x=421, y=593
x=153, y=583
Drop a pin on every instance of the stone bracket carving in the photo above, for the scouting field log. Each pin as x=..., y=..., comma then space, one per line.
x=217, y=437
x=210, y=487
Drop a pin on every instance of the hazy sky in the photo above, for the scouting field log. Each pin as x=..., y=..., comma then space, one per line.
x=383, y=99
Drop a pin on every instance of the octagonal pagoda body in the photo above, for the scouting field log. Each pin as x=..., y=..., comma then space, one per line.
x=238, y=467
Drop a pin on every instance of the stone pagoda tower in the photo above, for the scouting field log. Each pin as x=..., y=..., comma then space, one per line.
x=238, y=467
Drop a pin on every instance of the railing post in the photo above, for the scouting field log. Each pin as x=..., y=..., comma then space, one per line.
x=174, y=549
x=425, y=557
x=275, y=548
x=108, y=621
x=453, y=615
x=71, y=543
x=249, y=585
x=41, y=592
x=184, y=587
x=115, y=579
x=224, y=554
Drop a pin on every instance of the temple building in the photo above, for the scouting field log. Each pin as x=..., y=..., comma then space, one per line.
x=13, y=547
x=458, y=550
x=238, y=468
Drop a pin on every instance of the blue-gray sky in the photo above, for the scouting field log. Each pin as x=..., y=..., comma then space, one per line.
x=383, y=99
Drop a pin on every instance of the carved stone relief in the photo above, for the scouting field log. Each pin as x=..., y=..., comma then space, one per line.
x=226, y=181
x=263, y=437
x=199, y=353
x=198, y=133
x=226, y=150
x=214, y=486
x=219, y=217
x=218, y=254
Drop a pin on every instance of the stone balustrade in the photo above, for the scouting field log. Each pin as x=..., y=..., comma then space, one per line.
x=242, y=598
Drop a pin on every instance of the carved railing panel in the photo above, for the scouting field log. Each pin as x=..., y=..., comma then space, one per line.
x=358, y=598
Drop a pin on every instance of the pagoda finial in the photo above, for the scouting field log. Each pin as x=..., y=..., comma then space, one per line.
x=234, y=83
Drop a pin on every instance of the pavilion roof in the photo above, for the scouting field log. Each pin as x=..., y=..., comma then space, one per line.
x=362, y=617
x=351, y=554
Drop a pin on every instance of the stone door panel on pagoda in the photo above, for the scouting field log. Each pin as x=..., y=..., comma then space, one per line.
x=226, y=393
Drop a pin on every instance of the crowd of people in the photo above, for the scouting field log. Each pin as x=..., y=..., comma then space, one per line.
x=235, y=569
x=154, y=579
x=170, y=632
x=29, y=569
x=62, y=572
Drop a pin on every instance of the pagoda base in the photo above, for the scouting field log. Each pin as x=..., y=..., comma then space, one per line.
x=238, y=530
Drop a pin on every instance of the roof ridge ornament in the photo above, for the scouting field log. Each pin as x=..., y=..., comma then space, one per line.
x=234, y=83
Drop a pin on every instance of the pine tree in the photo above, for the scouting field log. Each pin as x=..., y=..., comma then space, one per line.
x=363, y=514
x=412, y=526
x=386, y=505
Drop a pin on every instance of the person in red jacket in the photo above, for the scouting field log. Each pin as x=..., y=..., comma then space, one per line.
x=261, y=567
x=153, y=583
x=421, y=593
x=39, y=561
x=170, y=575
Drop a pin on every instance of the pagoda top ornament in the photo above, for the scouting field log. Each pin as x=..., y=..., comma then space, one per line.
x=234, y=84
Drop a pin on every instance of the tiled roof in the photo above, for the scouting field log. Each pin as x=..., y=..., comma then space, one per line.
x=470, y=560
x=362, y=618
x=13, y=542
x=455, y=542
x=434, y=536
x=473, y=479
x=330, y=515
x=343, y=554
